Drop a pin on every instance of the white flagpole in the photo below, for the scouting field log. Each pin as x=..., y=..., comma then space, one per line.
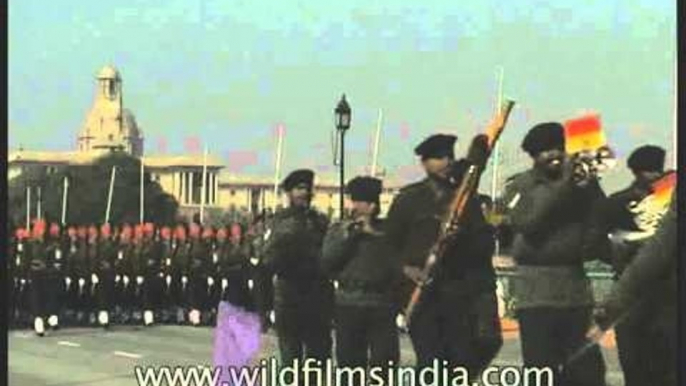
x=203, y=190
x=65, y=188
x=109, y=196
x=28, y=207
x=496, y=151
x=142, y=194
x=377, y=138
x=277, y=174
x=38, y=204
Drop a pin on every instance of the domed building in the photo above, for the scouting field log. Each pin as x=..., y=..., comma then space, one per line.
x=108, y=125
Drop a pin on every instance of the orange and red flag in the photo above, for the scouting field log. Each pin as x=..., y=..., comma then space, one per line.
x=584, y=134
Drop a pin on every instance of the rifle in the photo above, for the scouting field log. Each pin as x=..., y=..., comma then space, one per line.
x=477, y=156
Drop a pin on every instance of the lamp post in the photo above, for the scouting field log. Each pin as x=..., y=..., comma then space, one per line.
x=343, y=116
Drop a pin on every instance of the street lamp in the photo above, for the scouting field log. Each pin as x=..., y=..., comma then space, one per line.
x=343, y=116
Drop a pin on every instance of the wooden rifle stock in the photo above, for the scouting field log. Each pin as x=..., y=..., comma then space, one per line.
x=468, y=186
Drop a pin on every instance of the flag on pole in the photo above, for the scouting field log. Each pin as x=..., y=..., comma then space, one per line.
x=584, y=133
x=162, y=145
x=192, y=145
x=663, y=189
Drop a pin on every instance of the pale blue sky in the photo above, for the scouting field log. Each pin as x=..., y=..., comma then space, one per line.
x=230, y=71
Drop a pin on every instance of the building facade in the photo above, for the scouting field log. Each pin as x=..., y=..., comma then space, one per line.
x=110, y=127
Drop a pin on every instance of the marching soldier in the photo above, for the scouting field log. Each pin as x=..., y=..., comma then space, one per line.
x=80, y=270
x=264, y=285
x=138, y=267
x=166, y=256
x=180, y=272
x=21, y=285
x=105, y=272
x=152, y=279
x=93, y=280
x=55, y=275
x=124, y=273
x=634, y=333
x=215, y=267
x=456, y=319
x=551, y=216
x=303, y=295
x=70, y=280
x=209, y=273
x=648, y=286
x=199, y=280
x=235, y=269
x=356, y=253
x=39, y=277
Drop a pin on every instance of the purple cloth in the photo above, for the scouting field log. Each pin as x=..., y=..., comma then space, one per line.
x=236, y=338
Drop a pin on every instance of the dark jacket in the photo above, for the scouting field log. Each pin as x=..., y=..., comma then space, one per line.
x=292, y=251
x=363, y=264
x=412, y=226
x=555, y=232
x=650, y=280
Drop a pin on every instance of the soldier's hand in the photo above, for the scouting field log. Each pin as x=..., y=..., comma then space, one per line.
x=254, y=261
x=126, y=280
x=595, y=333
x=117, y=278
x=225, y=283
x=94, y=279
x=139, y=280
x=67, y=281
x=210, y=281
x=417, y=275
x=184, y=279
x=82, y=282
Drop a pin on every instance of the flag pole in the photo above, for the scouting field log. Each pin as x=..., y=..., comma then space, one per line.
x=377, y=138
x=204, y=186
x=496, y=151
x=38, y=204
x=65, y=188
x=28, y=207
x=142, y=194
x=109, y=195
x=277, y=174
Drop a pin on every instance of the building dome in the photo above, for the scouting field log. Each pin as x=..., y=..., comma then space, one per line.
x=109, y=72
x=130, y=126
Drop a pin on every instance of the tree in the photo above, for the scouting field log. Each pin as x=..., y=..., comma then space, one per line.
x=88, y=193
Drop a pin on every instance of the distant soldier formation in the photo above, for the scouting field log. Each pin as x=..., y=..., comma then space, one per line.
x=130, y=274
x=354, y=276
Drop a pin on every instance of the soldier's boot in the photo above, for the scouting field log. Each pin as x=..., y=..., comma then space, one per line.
x=148, y=317
x=39, y=326
x=194, y=317
x=104, y=319
x=54, y=322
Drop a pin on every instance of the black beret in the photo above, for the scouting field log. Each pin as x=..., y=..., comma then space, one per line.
x=647, y=158
x=297, y=177
x=543, y=137
x=437, y=146
x=365, y=189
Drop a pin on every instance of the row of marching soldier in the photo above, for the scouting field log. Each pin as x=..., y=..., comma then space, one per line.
x=91, y=275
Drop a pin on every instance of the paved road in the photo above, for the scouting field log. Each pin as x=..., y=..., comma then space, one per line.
x=91, y=356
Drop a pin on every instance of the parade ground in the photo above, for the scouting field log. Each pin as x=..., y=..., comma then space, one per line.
x=91, y=356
